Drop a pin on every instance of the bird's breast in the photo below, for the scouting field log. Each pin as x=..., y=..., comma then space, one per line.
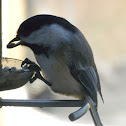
x=58, y=74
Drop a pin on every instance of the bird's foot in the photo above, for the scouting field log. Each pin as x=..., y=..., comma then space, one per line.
x=32, y=66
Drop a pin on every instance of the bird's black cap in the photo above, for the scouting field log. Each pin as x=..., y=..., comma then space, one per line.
x=35, y=22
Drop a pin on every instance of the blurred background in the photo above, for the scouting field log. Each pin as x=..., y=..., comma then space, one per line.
x=104, y=25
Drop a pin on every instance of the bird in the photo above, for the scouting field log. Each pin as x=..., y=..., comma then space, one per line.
x=63, y=54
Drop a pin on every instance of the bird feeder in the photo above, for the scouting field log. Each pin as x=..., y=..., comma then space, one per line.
x=13, y=76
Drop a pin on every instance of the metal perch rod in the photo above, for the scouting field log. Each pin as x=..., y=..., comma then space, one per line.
x=85, y=106
x=41, y=103
x=49, y=103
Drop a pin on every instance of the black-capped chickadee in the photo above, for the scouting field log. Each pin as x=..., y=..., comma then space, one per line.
x=63, y=54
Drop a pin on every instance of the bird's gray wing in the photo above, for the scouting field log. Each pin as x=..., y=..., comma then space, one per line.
x=88, y=79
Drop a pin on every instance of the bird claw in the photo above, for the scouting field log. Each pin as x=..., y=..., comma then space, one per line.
x=32, y=66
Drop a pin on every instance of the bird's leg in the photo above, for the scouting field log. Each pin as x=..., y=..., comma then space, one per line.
x=34, y=67
x=39, y=76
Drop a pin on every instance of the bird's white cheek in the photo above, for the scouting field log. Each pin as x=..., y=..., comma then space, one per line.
x=47, y=35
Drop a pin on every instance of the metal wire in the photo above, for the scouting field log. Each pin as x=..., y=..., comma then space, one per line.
x=0, y=33
x=41, y=103
x=85, y=106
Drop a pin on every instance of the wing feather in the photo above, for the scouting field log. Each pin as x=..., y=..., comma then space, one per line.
x=87, y=78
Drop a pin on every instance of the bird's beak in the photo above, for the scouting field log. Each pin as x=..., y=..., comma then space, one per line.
x=11, y=44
